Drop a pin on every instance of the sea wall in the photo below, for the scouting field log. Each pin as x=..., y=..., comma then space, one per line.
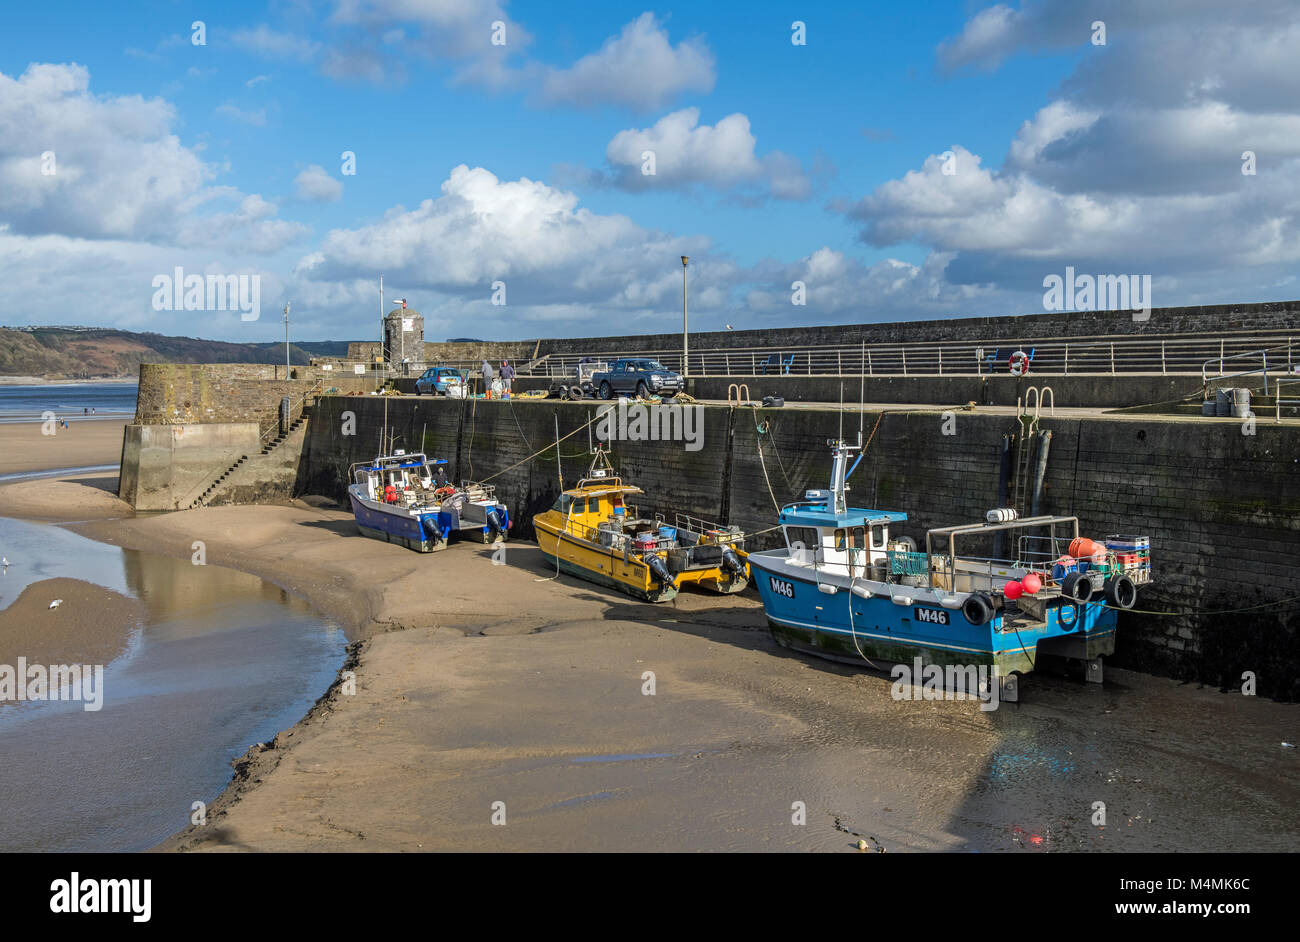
x=1000, y=389
x=165, y=467
x=1222, y=508
x=452, y=352
x=1228, y=319
x=191, y=393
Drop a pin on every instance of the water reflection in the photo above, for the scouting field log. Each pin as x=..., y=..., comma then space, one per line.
x=224, y=660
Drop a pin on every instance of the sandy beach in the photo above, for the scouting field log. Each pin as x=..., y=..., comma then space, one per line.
x=478, y=684
x=85, y=443
x=91, y=626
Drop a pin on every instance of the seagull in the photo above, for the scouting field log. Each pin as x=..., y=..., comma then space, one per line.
x=729, y=327
x=4, y=561
x=56, y=603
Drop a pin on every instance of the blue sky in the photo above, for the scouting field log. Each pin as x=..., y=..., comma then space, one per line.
x=820, y=164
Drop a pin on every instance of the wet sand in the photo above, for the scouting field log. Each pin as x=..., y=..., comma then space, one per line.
x=85, y=443
x=478, y=684
x=90, y=626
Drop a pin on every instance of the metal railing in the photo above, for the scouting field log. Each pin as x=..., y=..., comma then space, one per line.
x=1181, y=355
x=1262, y=370
x=1289, y=401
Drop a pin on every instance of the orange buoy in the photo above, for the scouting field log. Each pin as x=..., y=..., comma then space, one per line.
x=1083, y=548
x=1031, y=583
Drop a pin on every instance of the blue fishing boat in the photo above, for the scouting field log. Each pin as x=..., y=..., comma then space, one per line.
x=996, y=594
x=407, y=499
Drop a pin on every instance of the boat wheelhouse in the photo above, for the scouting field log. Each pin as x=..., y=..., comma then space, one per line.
x=406, y=498
x=998, y=593
x=594, y=533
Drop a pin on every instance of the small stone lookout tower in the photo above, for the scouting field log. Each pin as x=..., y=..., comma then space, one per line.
x=404, y=337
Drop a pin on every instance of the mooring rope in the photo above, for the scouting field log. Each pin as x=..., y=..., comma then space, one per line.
x=539, y=452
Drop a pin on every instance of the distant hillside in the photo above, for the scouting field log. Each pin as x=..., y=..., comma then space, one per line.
x=95, y=353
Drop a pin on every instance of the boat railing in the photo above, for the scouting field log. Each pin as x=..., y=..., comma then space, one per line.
x=611, y=481
x=698, y=525
x=476, y=491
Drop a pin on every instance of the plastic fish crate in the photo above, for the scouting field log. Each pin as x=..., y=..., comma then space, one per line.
x=1128, y=543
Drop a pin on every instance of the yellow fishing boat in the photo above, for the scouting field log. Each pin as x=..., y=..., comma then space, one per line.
x=596, y=535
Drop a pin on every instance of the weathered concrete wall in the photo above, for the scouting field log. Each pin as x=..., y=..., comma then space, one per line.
x=229, y=392
x=1227, y=318
x=164, y=467
x=452, y=352
x=998, y=390
x=1222, y=508
x=265, y=479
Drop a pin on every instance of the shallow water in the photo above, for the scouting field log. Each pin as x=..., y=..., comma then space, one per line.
x=224, y=660
x=26, y=403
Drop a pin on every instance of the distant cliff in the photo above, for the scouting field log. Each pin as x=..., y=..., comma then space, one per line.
x=97, y=353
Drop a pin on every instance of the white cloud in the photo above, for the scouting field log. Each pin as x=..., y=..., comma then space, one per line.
x=839, y=287
x=687, y=153
x=119, y=169
x=533, y=236
x=268, y=43
x=254, y=117
x=1136, y=163
x=382, y=34
x=639, y=69
x=315, y=184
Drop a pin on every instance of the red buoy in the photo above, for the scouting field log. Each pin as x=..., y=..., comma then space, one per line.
x=1012, y=589
x=1031, y=583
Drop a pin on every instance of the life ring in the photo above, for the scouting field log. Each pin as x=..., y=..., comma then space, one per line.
x=1019, y=363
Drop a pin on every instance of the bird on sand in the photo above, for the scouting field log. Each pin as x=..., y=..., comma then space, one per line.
x=56, y=603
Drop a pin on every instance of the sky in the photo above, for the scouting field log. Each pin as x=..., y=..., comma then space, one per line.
x=530, y=169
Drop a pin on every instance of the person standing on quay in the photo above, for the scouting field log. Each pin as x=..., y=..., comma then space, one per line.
x=507, y=374
x=487, y=377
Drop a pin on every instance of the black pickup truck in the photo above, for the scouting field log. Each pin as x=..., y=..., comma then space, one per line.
x=637, y=377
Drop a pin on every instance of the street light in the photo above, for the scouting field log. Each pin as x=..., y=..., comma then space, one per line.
x=686, y=368
x=286, y=339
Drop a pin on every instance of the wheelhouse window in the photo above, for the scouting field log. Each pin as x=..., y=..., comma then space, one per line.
x=801, y=538
x=562, y=503
x=840, y=542
x=878, y=536
x=593, y=505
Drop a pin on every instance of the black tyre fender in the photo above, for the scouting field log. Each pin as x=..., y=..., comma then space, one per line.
x=1121, y=592
x=575, y=392
x=606, y=391
x=977, y=609
x=1077, y=587
x=1067, y=616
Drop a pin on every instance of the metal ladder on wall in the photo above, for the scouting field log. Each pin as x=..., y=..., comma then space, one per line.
x=1025, y=444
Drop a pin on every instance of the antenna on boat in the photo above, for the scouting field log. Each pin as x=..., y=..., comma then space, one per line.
x=862, y=391
x=559, y=468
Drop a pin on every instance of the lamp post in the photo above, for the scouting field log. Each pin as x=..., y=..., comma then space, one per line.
x=685, y=361
x=286, y=339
